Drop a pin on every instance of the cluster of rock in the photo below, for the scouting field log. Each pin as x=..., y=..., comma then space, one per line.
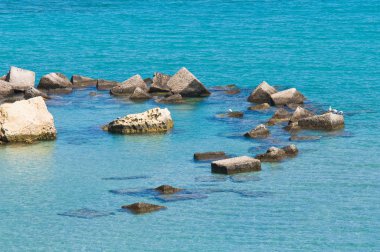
x=275, y=154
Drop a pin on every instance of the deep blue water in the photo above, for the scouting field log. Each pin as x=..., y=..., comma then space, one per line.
x=326, y=199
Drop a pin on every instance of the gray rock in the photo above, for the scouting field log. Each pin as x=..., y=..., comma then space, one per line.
x=33, y=92
x=79, y=81
x=4, y=77
x=159, y=83
x=275, y=154
x=281, y=115
x=172, y=99
x=304, y=138
x=235, y=114
x=167, y=189
x=290, y=150
x=55, y=83
x=215, y=155
x=186, y=84
x=106, y=84
x=180, y=197
x=262, y=106
x=6, y=89
x=128, y=87
x=141, y=208
x=261, y=131
x=287, y=97
x=328, y=121
x=300, y=113
x=262, y=93
x=20, y=78
x=148, y=81
x=139, y=94
x=236, y=165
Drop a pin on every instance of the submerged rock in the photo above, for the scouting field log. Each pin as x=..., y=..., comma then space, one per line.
x=186, y=84
x=128, y=87
x=139, y=94
x=106, y=84
x=167, y=189
x=20, y=78
x=55, y=82
x=215, y=155
x=281, y=115
x=141, y=208
x=289, y=96
x=235, y=114
x=79, y=81
x=26, y=121
x=328, y=121
x=275, y=154
x=159, y=83
x=261, y=131
x=230, y=89
x=262, y=106
x=180, y=197
x=304, y=138
x=262, y=93
x=172, y=99
x=151, y=121
x=86, y=213
x=236, y=165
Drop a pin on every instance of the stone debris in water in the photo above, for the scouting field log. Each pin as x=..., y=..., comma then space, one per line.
x=262, y=93
x=167, y=189
x=142, y=207
x=327, y=121
x=86, y=213
x=275, y=154
x=180, y=197
x=128, y=87
x=82, y=81
x=213, y=155
x=159, y=83
x=20, y=78
x=261, y=131
x=152, y=121
x=186, y=84
x=127, y=178
x=236, y=165
x=55, y=82
x=288, y=96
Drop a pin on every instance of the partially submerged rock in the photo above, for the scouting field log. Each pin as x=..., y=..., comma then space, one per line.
x=128, y=87
x=186, y=84
x=300, y=113
x=33, y=92
x=328, y=121
x=152, y=121
x=214, y=155
x=304, y=138
x=141, y=208
x=180, y=197
x=139, y=94
x=262, y=93
x=262, y=106
x=230, y=89
x=167, y=189
x=236, y=165
x=26, y=121
x=235, y=114
x=172, y=99
x=281, y=115
x=20, y=78
x=79, y=81
x=106, y=84
x=159, y=83
x=55, y=83
x=261, y=131
x=275, y=154
x=288, y=96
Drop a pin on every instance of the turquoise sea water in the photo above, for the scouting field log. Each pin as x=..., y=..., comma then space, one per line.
x=326, y=199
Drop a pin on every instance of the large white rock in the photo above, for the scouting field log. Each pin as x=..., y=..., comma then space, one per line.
x=186, y=84
x=20, y=78
x=26, y=121
x=288, y=96
x=153, y=120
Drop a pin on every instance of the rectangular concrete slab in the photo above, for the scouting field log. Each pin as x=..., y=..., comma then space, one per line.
x=236, y=165
x=20, y=78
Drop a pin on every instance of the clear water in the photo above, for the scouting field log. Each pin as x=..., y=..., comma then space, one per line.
x=326, y=199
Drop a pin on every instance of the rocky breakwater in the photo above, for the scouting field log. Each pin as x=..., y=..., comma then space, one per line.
x=155, y=120
x=26, y=121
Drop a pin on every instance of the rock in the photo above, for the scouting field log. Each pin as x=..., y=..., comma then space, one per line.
x=236, y=165
x=148, y=81
x=215, y=155
x=230, y=89
x=275, y=154
x=281, y=115
x=159, y=83
x=328, y=121
x=139, y=94
x=167, y=189
x=187, y=85
x=92, y=93
x=235, y=114
x=141, y=208
x=128, y=87
x=180, y=197
x=262, y=106
x=287, y=97
x=33, y=92
x=232, y=92
x=86, y=213
x=304, y=138
x=79, y=81
x=106, y=84
x=300, y=113
x=6, y=89
x=20, y=78
x=172, y=99
x=151, y=121
x=4, y=77
x=26, y=121
x=55, y=82
x=262, y=93
x=261, y=131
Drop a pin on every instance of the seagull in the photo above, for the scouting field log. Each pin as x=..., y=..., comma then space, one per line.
x=229, y=110
x=335, y=111
x=340, y=112
x=330, y=109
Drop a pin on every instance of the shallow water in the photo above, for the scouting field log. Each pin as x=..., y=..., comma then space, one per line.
x=326, y=199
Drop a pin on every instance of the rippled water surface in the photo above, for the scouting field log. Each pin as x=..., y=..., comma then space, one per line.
x=326, y=199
